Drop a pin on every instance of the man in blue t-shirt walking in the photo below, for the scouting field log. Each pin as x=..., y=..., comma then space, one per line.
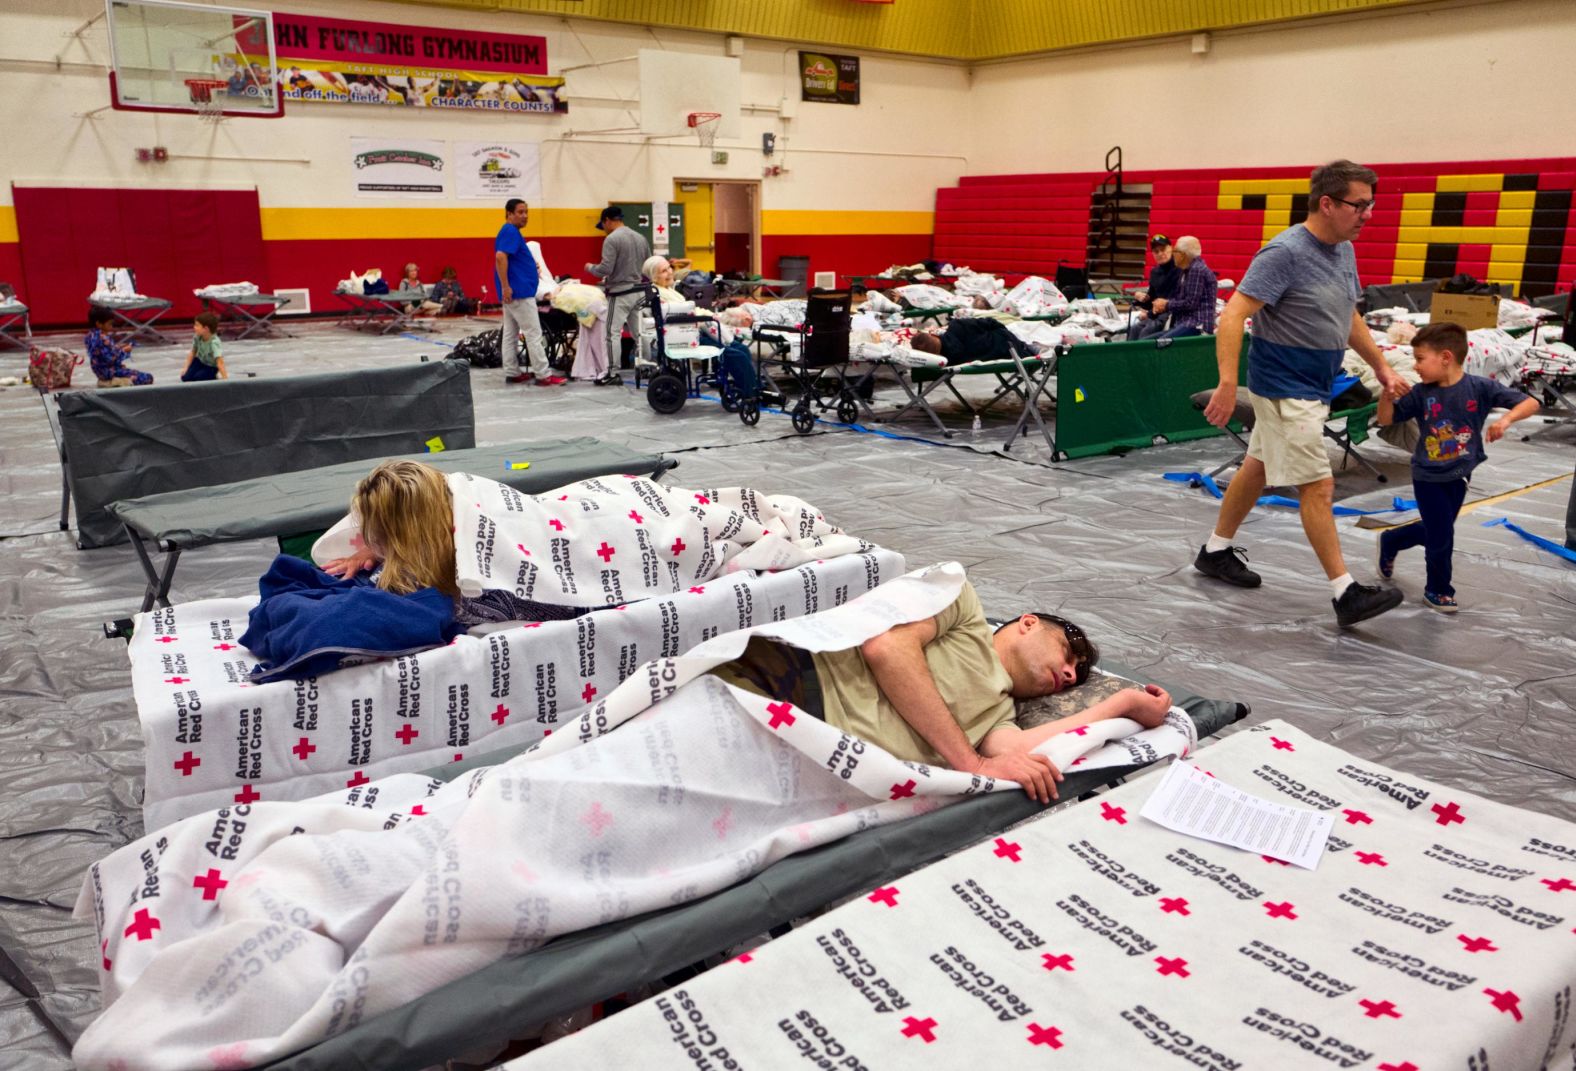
x=1301, y=291
x=514, y=270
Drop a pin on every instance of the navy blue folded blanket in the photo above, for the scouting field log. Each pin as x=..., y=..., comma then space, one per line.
x=309, y=623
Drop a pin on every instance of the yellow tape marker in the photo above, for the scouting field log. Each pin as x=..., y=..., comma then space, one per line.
x=434, y=445
x=516, y=466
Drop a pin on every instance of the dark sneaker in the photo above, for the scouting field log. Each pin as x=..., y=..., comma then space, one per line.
x=1230, y=565
x=612, y=379
x=1386, y=561
x=1362, y=601
x=523, y=377
x=551, y=381
x=1445, y=604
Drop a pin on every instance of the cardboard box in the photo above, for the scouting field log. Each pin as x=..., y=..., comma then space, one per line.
x=1471, y=311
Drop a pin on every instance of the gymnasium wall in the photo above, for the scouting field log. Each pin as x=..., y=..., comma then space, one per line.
x=857, y=192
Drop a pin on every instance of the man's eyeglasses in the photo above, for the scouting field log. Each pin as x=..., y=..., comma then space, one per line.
x=1076, y=641
x=1361, y=206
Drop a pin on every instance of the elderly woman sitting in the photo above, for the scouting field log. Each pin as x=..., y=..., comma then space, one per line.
x=660, y=272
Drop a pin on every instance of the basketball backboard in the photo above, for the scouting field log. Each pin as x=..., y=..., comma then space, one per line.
x=167, y=56
x=673, y=84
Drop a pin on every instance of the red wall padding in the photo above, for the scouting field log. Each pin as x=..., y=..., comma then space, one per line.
x=173, y=240
x=1027, y=223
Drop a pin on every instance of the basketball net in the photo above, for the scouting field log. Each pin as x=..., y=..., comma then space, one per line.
x=705, y=125
x=207, y=96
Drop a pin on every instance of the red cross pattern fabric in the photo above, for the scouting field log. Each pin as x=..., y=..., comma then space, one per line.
x=373, y=895
x=215, y=738
x=1459, y=953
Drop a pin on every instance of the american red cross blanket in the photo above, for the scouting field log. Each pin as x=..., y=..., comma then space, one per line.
x=238, y=935
x=1434, y=934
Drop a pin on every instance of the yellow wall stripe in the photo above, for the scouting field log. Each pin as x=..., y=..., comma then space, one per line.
x=303, y=224
x=8, y=231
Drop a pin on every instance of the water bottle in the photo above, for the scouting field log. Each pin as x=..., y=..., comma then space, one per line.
x=974, y=428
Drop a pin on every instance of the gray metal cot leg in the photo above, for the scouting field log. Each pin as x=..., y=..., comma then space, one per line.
x=919, y=401
x=157, y=590
x=1035, y=387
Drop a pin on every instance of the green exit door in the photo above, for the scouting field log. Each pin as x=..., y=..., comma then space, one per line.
x=665, y=236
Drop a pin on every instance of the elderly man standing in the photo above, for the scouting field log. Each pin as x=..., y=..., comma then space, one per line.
x=623, y=252
x=1192, y=309
x=1301, y=291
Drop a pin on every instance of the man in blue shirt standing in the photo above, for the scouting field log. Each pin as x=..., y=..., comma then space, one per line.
x=514, y=270
x=1301, y=291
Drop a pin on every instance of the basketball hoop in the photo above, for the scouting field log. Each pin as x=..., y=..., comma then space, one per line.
x=207, y=96
x=705, y=125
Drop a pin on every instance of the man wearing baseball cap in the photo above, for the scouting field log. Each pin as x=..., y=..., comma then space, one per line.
x=1163, y=280
x=623, y=252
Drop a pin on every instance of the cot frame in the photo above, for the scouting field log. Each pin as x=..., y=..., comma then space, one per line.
x=236, y=311
x=1028, y=386
x=145, y=327
x=9, y=315
x=371, y=310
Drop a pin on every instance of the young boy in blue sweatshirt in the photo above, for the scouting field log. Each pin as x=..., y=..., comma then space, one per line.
x=1450, y=408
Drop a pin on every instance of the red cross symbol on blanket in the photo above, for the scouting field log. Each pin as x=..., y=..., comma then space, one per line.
x=418, y=811
x=1560, y=885
x=702, y=499
x=360, y=779
x=920, y=1028
x=1281, y=745
x=165, y=639
x=1476, y=944
x=143, y=925
x=1371, y=859
x=407, y=733
x=556, y=524
x=224, y=647
x=1174, y=904
x=635, y=516
x=596, y=819
x=605, y=552
x=678, y=547
x=887, y=895
x=1407, y=1066
x=500, y=716
x=303, y=748
x=1355, y=817
x=1113, y=814
x=1082, y=730
x=588, y=693
x=229, y=1057
x=698, y=590
x=1006, y=849
x=782, y=714
x=903, y=791
x=1064, y=961
x=1282, y=910
x=1506, y=1002
x=1045, y=1035
x=521, y=548
x=210, y=884
x=1379, y=1009
x=187, y=763
x=1448, y=813
x=248, y=794
x=176, y=680
x=104, y=952
x=1177, y=966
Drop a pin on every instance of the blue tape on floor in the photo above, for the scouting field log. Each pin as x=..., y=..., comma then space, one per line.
x=1536, y=540
x=427, y=338
x=1198, y=479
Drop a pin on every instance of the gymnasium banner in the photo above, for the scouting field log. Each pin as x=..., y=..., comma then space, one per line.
x=350, y=62
x=495, y=171
x=398, y=168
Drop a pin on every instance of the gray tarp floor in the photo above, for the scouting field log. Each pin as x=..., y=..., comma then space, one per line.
x=1482, y=700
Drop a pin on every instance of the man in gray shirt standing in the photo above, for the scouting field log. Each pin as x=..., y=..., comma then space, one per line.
x=1301, y=291
x=623, y=252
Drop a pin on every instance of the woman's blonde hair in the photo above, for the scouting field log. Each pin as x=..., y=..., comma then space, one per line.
x=407, y=513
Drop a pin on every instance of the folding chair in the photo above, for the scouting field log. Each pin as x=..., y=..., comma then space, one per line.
x=1347, y=428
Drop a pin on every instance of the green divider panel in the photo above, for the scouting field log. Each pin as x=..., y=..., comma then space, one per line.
x=1129, y=394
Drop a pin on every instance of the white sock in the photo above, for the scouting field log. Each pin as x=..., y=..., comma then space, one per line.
x=1339, y=585
x=1216, y=543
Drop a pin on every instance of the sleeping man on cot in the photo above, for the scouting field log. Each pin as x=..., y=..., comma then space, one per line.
x=940, y=691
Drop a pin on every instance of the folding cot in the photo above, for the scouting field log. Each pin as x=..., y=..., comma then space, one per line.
x=514, y=996
x=1026, y=378
x=12, y=313
x=139, y=315
x=250, y=312
x=388, y=312
x=305, y=502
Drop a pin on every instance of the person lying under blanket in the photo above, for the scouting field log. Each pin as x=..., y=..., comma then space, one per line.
x=942, y=691
x=973, y=339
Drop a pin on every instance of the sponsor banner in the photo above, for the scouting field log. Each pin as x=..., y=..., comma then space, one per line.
x=494, y=171
x=421, y=88
x=828, y=79
x=406, y=168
